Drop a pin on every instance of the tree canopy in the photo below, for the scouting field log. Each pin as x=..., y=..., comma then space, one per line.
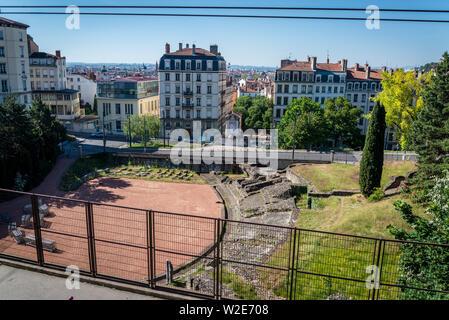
x=143, y=127
x=430, y=132
x=402, y=98
x=311, y=128
x=257, y=112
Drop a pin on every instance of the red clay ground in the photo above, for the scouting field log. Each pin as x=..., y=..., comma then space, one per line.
x=128, y=259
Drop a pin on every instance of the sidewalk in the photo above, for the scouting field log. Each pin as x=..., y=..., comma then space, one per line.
x=19, y=284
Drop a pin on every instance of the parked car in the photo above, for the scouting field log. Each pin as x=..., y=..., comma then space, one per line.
x=97, y=134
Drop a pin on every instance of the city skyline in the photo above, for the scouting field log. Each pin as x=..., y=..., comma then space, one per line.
x=258, y=42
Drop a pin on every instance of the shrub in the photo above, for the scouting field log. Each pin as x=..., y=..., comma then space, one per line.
x=377, y=195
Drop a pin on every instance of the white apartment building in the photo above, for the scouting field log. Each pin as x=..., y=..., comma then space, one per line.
x=297, y=79
x=86, y=86
x=14, y=66
x=192, y=83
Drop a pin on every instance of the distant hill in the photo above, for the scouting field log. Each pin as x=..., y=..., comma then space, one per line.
x=256, y=68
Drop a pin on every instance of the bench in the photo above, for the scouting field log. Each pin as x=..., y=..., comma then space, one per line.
x=48, y=245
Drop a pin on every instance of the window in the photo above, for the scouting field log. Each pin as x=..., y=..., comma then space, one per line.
x=177, y=77
x=2, y=51
x=361, y=122
x=317, y=89
x=364, y=86
x=309, y=89
x=4, y=85
x=177, y=89
x=24, y=84
x=178, y=114
x=279, y=101
x=322, y=100
x=286, y=88
x=198, y=102
x=209, y=77
x=21, y=52
x=295, y=76
x=198, y=114
x=209, y=89
x=317, y=99
x=287, y=76
x=167, y=101
x=187, y=114
x=20, y=36
x=373, y=86
x=209, y=65
x=303, y=89
x=310, y=77
x=52, y=85
x=356, y=86
x=106, y=109
x=198, y=77
x=356, y=96
x=117, y=108
x=318, y=78
x=1, y=34
x=341, y=89
x=198, y=89
x=2, y=67
x=167, y=76
x=331, y=78
x=329, y=89
x=188, y=77
x=167, y=63
x=23, y=67
x=52, y=73
x=350, y=86
x=177, y=102
x=335, y=89
x=177, y=65
x=198, y=65
x=285, y=101
x=167, y=89
x=129, y=108
x=188, y=65
x=295, y=89
x=323, y=89
x=363, y=97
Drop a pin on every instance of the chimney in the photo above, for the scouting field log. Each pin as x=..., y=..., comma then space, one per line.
x=345, y=64
x=313, y=63
x=187, y=45
x=367, y=71
x=327, y=60
x=213, y=49
x=308, y=59
x=58, y=53
x=384, y=69
x=193, y=49
x=167, y=48
x=339, y=62
x=180, y=46
x=356, y=67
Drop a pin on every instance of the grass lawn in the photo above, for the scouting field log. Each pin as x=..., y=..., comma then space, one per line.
x=328, y=177
x=342, y=256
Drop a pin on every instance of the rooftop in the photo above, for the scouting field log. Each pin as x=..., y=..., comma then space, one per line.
x=189, y=52
x=11, y=23
x=307, y=66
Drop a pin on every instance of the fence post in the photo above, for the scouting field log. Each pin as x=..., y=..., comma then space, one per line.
x=377, y=274
x=292, y=269
x=91, y=239
x=37, y=229
x=217, y=260
x=150, y=249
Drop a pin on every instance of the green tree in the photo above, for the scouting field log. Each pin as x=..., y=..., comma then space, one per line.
x=401, y=96
x=342, y=119
x=373, y=152
x=257, y=112
x=17, y=144
x=95, y=110
x=430, y=132
x=424, y=266
x=311, y=127
x=143, y=127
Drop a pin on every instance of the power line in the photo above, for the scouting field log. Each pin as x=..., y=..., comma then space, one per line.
x=233, y=8
x=227, y=16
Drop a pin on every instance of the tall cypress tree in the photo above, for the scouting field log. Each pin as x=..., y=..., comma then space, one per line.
x=373, y=152
x=430, y=138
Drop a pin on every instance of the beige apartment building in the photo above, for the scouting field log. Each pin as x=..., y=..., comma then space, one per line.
x=14, y=67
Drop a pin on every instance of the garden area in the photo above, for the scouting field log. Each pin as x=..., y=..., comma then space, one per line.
x=108, y=165
x=328, y=177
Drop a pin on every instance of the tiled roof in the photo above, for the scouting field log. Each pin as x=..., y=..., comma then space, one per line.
x=188, y=52
x=360, y=73
x=135, y=79
x=12, y=23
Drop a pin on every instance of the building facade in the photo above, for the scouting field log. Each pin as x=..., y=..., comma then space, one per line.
x=317, y=81
x=192, y=84
x=14, y=66
x=48, y=83
x=86, y=86
x=119, y=99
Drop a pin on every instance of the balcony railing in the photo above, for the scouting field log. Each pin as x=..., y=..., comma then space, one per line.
x=188, y=105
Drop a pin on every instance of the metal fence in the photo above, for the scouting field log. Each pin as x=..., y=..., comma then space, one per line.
x=215, y=257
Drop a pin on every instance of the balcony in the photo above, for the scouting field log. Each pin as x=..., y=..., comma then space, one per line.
x=188, y=105
x=188, y=93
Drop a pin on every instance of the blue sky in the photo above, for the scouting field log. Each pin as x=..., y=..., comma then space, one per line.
x=244, y=41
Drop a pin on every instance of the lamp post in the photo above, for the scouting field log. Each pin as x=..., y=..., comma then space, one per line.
x=294, y=138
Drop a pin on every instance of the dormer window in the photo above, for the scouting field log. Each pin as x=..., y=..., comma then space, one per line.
x=188, y=65
x=318, y=78
x=331, y=78
x=167, y=64
x=350, y=86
